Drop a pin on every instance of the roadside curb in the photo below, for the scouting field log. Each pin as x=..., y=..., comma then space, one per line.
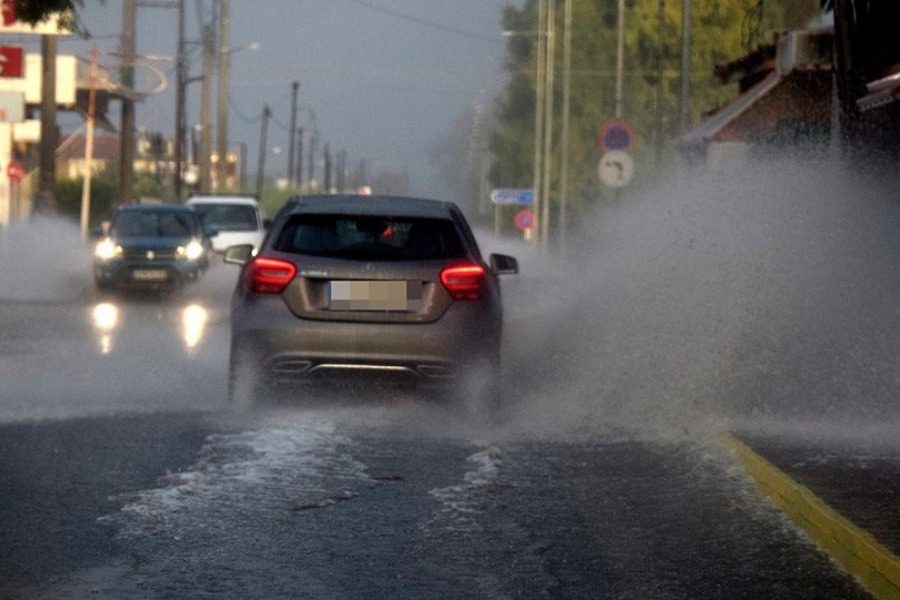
x=856, y=550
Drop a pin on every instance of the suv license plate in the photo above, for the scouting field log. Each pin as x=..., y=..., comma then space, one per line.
x=150, y=275
x=368, y=295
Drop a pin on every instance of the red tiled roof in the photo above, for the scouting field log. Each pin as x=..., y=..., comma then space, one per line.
x=106, y=147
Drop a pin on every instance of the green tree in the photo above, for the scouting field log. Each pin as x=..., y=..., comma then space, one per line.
x=722, y=31
x=32, y=11
x=104, y=194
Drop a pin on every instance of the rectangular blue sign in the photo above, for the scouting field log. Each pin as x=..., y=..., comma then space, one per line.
x=506, y=197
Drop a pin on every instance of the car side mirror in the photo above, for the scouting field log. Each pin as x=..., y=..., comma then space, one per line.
x=267, y=223
x=504, y=265
x=210, y=231
x=239, y=255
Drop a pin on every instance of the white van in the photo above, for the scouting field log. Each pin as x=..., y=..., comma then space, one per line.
x=237, y=219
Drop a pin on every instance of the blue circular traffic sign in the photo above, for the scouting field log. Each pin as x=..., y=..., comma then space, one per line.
x=616, y=134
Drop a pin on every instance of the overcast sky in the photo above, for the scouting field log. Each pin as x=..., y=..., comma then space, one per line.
x=384, y=83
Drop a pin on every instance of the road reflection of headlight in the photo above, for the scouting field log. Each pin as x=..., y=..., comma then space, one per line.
x=105, y=318
x=193, y=322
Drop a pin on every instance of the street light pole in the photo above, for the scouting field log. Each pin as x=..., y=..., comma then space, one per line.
x=292, y=132
x=564, y=133
x=539, y=85
x=685, y=65
x=181, y=82
x=620, y=56
x=126, y=151
x=261, y=167
x=549, y=73
x=205, y=107
x=223, y=92
x=46, y=198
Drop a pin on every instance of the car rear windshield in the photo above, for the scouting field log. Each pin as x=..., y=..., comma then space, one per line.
x=228, y=217
x=156, y=223
x=370, y=238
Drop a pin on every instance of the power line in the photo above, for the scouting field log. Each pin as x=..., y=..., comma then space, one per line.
x=424, y=23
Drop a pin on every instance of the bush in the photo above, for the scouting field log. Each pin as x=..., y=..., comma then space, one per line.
x=104, y=192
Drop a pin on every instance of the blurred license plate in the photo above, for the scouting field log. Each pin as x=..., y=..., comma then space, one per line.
x=368, y=295
x=149, y=274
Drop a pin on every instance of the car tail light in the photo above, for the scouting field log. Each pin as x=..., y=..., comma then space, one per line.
x=269, y=275
x=464, y=282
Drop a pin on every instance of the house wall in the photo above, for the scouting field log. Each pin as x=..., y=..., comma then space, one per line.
x=802, y=97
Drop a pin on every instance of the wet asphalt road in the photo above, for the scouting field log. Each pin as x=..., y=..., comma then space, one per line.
x=354, y=504
x=125, y=475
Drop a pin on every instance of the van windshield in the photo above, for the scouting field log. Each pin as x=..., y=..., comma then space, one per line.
x=228, y=217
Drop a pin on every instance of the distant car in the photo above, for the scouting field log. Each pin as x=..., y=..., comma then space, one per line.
x=152, y=246
x=382, y=287
x=237, y=219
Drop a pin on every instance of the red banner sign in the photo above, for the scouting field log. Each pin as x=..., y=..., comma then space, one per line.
x=11, y=62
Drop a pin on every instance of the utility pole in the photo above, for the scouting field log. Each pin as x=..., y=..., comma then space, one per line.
x=89, y=145
x=242, y=170
x=261, y=166
x=181, y=83
x=126, y=150
x=205, y=107
x=292, y=129
x=685, y=65
x=46, y=198
x=313, y=148
x=298, y=172
x=550, y=70
x=340, y=175
x=327, y=175
x=564, y=133
x=223, y=93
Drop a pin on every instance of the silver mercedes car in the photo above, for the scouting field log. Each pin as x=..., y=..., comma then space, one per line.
x=371, y=287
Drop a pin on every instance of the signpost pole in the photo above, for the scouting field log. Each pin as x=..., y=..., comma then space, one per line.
x=5, y=187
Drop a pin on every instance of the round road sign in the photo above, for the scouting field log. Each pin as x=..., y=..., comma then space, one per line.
x=525, y=219
x=15, y=171
x=616, y=169
x=616, y=134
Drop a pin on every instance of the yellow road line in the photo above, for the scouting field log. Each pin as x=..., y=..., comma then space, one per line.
x=860, y=554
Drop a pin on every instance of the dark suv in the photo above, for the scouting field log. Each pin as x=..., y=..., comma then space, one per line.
x=382, y=287
x=152, y=246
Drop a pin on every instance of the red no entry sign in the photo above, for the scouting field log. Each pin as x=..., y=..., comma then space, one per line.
x=524, y=219
x=15, y=171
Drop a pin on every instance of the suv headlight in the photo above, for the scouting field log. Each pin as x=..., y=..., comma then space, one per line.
x=106, y=249
x=192, y=251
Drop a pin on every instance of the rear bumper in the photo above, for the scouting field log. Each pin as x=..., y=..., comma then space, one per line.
x=287, y=348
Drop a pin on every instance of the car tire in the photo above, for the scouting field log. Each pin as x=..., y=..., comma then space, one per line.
x=245, y=386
